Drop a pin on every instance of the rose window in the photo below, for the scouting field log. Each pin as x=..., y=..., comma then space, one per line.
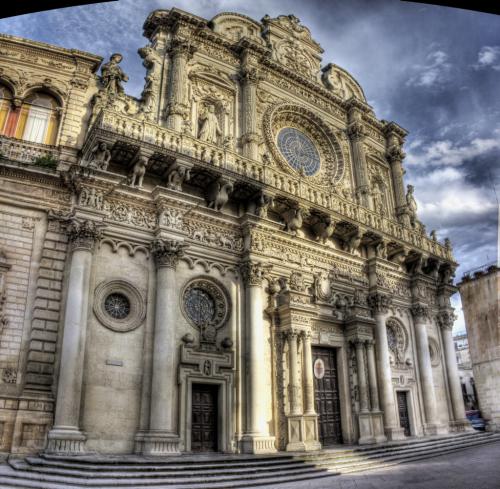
x=299, y=151
x=117, y=306
x=199, y=306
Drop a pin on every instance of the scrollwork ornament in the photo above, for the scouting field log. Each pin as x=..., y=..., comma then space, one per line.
x=167, y=252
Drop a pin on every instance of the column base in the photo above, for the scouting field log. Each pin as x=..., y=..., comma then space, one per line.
x=394, y=434
x=365, y=429
x=65, y=441
x=460, y=426
x=302, y=433
x=434, y=429
x=157, y=443
x=257, y=444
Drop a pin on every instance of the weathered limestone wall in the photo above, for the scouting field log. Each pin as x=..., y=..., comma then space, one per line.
x=480, y=301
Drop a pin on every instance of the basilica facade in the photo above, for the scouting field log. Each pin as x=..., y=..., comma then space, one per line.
x=230, y=262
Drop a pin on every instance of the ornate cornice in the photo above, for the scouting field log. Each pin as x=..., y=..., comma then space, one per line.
x=167, y=252
x=379, y=303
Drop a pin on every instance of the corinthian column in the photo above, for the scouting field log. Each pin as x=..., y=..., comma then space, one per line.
x=363, y=387
x=372, y=375
x=446, y=319
x=420, y=317
x=308, y=375
x=379, y=304
x=162, y=438
x=65, y=436
x=249, y=79
x=256, y=438
x=180, y=51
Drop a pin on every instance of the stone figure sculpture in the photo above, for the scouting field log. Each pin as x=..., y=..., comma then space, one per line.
x=177, y=175
x=323, y=229
x=217, y=194
x=293, y=219
x=209, y=128
x=138, y=172
x=112, y=75
x=411, y=204
x=100, y=156
x=351, y=245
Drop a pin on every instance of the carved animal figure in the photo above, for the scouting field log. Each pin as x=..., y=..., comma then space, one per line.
x=177, y=176
x=217, y=194
x=293, y=219
x=323, y=229
x=99, y=156
x=352, y=244
x=138, y=172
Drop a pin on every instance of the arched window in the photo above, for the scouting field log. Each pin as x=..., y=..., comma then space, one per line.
x=38, y=121
x=5, y=107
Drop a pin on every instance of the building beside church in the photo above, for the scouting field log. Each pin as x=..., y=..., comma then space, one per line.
x=480, y=294
x=465, y=373
x=228, y=263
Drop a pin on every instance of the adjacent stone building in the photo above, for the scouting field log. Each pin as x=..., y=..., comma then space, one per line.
x=480, y=294
x=229, y=262
x=464, y=364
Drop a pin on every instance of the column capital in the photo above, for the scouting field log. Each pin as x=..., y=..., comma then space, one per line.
x=379, y=303
x=249, y=75
x=356, y=131
x=446, y=319
x=181, y=47
x=420, y=312
x=83, y=234
x=369, y=344
x=253, y=273
x=306, y=335
x=395, y=154
x=167, y=252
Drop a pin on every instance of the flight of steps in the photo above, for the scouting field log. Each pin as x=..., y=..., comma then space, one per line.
x=219, y=471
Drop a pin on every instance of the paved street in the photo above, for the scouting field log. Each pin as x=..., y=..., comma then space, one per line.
x=474, y=468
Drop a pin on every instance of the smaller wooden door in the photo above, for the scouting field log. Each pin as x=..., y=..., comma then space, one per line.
x=204, y=418
x=404, y=418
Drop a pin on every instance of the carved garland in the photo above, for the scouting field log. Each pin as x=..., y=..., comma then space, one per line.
x=301, y=118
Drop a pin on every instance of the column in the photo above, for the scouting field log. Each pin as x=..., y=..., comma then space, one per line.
x=362, y=385
x=420, y=317
x=256, y=438
x=380, y=304
x=162, y=437
x=65, y=437
x=295, y=408
x=372, y=375
x=180, y=51
x=309, y=408
x=249, y=79
x=356, y=133
x=446, y=319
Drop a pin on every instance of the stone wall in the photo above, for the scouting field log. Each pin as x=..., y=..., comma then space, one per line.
x=480, y=301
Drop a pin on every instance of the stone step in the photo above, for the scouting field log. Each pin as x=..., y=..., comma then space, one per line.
x=286, y=469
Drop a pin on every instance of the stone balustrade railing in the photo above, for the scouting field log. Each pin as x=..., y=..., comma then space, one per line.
x=25, y=151
x=270, y=175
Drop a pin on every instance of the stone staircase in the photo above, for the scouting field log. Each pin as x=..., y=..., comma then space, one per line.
x=217, y=471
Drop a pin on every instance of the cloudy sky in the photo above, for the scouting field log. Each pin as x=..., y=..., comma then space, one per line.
x=434, y=70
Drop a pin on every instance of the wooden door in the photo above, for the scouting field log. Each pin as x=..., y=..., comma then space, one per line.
x=404, y=418
x=204, y=418
x=326, y=392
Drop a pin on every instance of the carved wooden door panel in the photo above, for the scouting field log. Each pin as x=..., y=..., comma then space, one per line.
x=204, y=418
x=326, y=392
x=404, y=418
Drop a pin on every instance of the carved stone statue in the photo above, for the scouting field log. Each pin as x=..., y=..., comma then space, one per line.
x=411, y=204
x=138, y=172
x=217, y=194
x=177, y=175
x=351, y=245
x=323, y=229
x=293, y=219
x=112, y=75
x=100, y=156
x=378, y=203
x=433, y=235
x=209, y=126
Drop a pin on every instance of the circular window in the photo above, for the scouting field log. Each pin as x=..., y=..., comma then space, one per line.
x=299, y=151
x=119, y=306
x=204, y=303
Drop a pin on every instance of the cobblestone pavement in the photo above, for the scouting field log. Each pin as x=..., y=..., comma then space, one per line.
x=473, y=468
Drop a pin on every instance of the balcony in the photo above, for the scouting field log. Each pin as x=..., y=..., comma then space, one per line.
x=27, y=152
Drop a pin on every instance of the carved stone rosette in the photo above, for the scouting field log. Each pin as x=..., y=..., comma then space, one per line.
x=379, y=303
x=167, y=252
x=83, y=234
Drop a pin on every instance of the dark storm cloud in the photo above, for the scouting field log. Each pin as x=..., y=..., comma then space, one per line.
x=434, y=70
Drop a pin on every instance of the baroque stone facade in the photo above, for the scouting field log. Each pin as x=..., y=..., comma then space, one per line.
x=229, y=262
